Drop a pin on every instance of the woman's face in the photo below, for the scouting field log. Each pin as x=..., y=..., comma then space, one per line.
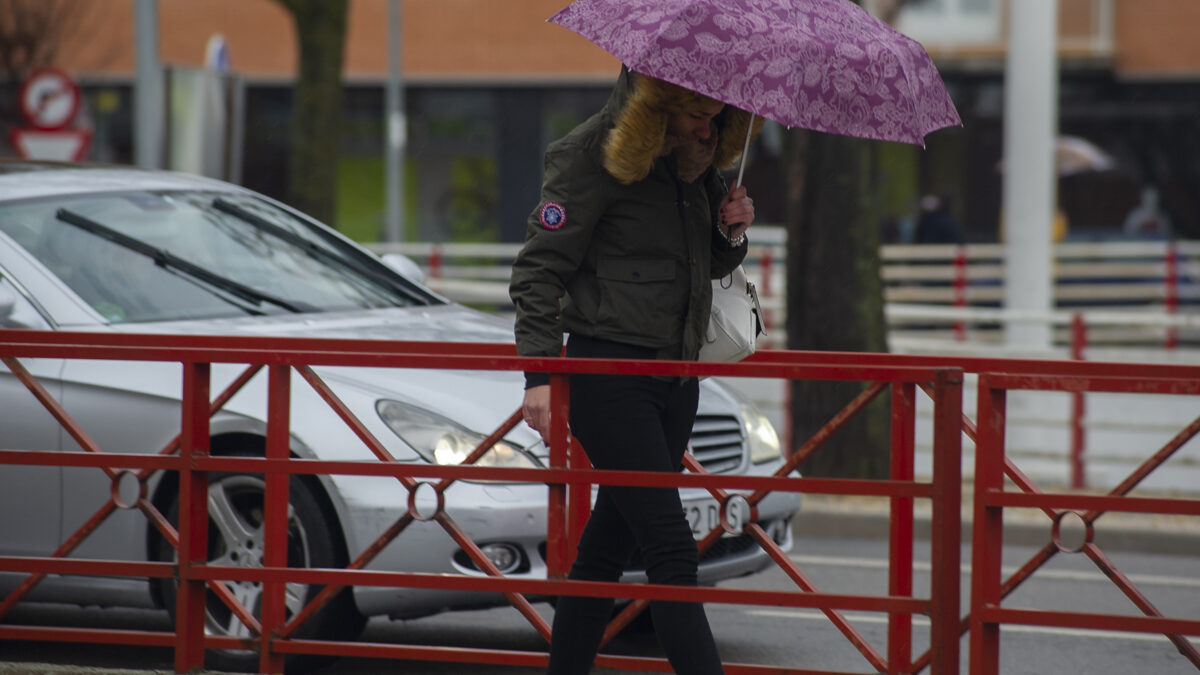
x=695, y=123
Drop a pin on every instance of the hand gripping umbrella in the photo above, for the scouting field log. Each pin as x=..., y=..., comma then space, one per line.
x=825, y=65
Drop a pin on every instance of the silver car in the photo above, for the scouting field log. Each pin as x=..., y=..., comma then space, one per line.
x=122, y=250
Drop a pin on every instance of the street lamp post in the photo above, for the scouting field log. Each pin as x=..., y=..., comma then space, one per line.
x=148, y=94
x=1030, y=182
x=396, y=126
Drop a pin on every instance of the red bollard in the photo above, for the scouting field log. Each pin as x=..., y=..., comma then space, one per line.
x=765, y=288
x=435, y=262
x=1171, y=293
x=1078, y=408
x=960, y=290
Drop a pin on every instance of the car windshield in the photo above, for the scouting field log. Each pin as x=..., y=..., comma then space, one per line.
x=164, y=256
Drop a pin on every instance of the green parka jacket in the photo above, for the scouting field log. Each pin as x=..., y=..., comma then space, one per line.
x=626, y=257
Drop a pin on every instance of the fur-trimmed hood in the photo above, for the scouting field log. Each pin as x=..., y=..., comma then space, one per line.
x=638, y=111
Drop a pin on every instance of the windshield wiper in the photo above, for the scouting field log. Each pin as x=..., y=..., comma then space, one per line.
x=164, y=258
x=318, y=251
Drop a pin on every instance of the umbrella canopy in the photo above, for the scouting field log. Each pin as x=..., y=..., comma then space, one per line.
x=1074, y=155
x=826, y=65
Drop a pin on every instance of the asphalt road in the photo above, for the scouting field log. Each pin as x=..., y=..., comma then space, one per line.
x=746, y=634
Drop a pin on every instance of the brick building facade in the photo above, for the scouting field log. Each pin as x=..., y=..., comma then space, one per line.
x=489, y=83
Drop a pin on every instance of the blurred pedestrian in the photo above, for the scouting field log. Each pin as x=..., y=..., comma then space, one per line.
x=634, y=223
x=936, y=223
x=1147, y=220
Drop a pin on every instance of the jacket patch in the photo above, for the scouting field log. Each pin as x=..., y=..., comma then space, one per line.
x=553, y=215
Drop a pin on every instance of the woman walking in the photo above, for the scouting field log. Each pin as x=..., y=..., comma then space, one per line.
x=633, y=224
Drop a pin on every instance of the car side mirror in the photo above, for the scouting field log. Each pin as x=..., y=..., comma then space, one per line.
x=404, y=266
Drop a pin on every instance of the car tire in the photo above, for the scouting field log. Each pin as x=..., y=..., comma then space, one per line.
x=235, y=504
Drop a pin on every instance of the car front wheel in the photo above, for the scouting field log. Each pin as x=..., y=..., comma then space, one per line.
x=235, y=539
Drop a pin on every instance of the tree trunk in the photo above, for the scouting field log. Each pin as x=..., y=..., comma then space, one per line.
x=316, y=106
x=835, y=296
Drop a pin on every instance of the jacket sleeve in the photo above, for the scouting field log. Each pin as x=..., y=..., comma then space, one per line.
x=557, y=235
x=725, y=258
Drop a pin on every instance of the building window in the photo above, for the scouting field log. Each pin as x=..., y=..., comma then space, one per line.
x=952, y=22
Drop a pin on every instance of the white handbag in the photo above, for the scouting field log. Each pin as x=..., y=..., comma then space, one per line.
x=735, y=321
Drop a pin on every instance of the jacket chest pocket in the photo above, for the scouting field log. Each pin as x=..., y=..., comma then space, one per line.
x=641, y=295
x=636, y=270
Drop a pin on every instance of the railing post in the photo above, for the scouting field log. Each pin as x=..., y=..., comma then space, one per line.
x=579, y=501
x=434, y=263
x=765, y=288
x=1078, y=407
x=193, y=519
x=960, y=289
x=558, y=543
x=900, y=566
x=1171, y=292
x=988, y=528
x=945, y=553
x=275, y=512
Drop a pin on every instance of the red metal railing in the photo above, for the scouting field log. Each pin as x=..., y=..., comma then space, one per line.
x=569, y=492
x=991, y=498
x=993, y=467
x=961, y=281
x=1078, y=408
x=569, y=496
x=1171, y=292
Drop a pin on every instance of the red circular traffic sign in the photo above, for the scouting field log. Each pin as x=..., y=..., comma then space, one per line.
x=49, y=99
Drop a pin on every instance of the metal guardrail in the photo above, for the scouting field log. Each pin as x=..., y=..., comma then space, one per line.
x=1000, y=483
x=569, y=494
x=1126, y=293
x=988, y=587
x=568, y=479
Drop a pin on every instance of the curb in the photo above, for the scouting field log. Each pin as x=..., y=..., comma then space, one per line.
x=18, y=668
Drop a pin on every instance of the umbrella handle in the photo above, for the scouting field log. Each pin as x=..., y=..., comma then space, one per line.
x=746, y=149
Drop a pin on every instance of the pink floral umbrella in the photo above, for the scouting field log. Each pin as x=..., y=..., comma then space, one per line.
x=826, y=65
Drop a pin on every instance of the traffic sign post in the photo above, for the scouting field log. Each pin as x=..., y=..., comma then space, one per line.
x=67, y=145
x=50, y=101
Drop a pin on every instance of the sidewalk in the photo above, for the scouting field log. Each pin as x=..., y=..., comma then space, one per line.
x=868, y=517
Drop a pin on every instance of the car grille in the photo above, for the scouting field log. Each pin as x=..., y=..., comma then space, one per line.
x=728, y=546
x=717, y=443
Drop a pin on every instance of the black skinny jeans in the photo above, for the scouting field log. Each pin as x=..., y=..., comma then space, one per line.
x=632, y=423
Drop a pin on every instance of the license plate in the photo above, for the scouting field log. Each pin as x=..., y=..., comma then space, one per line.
x=704, y=515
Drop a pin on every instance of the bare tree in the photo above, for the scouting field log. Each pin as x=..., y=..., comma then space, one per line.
x=33, y=31
x=317, y=105
x=835, y=295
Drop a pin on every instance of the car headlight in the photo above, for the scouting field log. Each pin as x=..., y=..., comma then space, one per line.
x=443, y=441
x=761, y=436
